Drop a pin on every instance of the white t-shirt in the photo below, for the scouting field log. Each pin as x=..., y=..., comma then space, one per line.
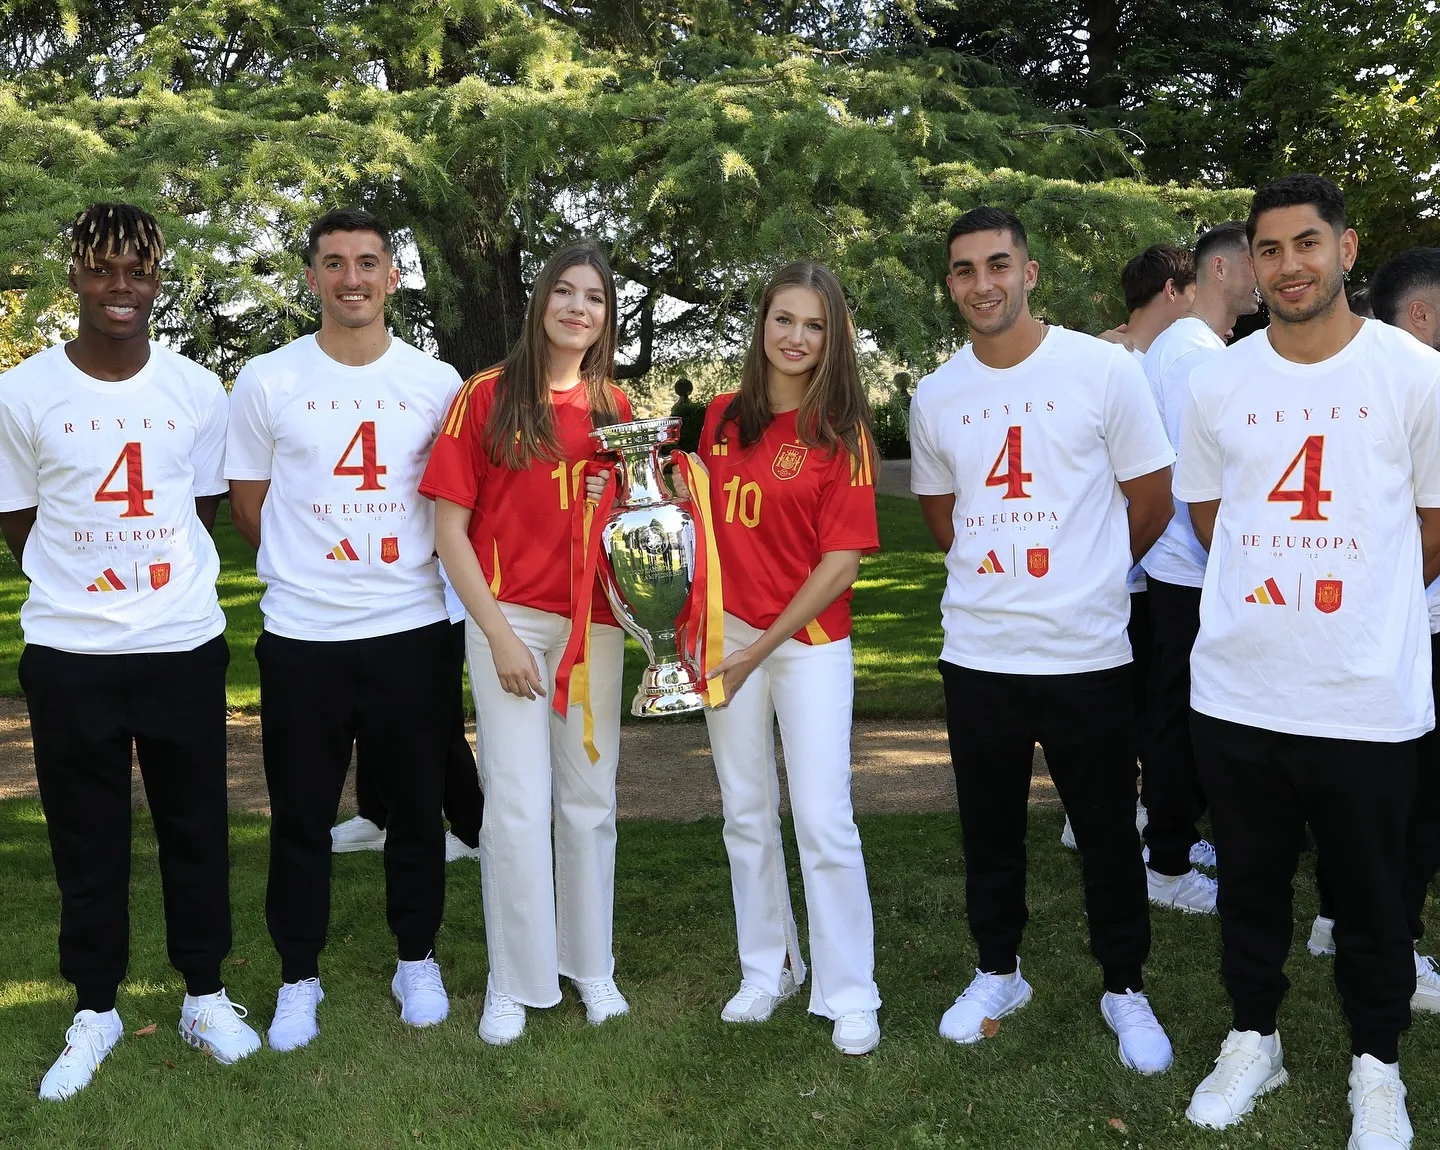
x=1177, y=556
x=1032, y=454
x=1313, y=618
x=118, y=561
x=347, y=543
x=1135, y=577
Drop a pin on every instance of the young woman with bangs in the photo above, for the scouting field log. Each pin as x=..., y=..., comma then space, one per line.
x=506, y=475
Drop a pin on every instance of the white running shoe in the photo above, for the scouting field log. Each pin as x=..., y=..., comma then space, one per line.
x=991, y=996
x=751, y=1004
x=1427, y=985
x=1249, y=1066
x=214, y=1025
x=294, y=1023
x=455, y=849
x=1322, y=937
x=856, y=1032
x=1203, y=854
x=1377, y=1106
x=90, y=1038
x=1144, y=1045
x=1067, y=836
x=602, y=999
x=1191, y=892
x=420, y=991
x=503, y=1019
x=357, y=834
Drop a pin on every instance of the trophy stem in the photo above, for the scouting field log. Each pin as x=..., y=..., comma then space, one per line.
x=668, y=687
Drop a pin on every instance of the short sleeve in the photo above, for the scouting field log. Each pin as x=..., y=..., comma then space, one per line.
x=929, y=473
x=1134, y=433
x=458, y=457
x=845, y=519
x=19, y=466
x=207, y=457
x=1425, y=447
x=1197, y=475
x=249, y=443
x=622, y=406
x=710, y=429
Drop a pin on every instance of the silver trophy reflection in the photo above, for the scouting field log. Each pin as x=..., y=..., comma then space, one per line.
x=649, y=542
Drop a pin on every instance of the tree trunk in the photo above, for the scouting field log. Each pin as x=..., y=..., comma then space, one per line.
x=1103, y=87
x=476, y=328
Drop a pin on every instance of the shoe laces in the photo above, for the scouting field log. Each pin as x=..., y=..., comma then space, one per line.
x=424, y=975
x=598, y=991
x=220, y=1015
x=749, y=994
x=856, y=1020
x=1425, y=970
x=297, y=998
x=1132, y=1009
x=1203, y=853
x=1232, y=1065
x=87, y=1037
x=1377, y=1109
x=988, y=989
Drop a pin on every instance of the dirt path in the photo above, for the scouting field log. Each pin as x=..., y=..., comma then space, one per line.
x=665, y=768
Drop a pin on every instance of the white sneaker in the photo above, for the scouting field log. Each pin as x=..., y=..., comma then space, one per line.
x=602, y=999
x=991, y=996
x=1144, y=1045
x=90, y=1038
x=294, y=1023
x=357, y=834
x=1427, y=985
x=214, y=1025
x=503, y=1019
x=1191, y=892
x=751, y=1004
x=455, y=849
x=1203, y=854
x=1377, y=1106
x=419, y=990
x=857, y=1032
x=1249, y=1066
x=1322, y=937
x=1067, y=836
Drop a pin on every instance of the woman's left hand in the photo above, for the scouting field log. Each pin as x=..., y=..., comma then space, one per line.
x=733, y=671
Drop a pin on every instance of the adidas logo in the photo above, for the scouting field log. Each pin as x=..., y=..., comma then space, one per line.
x=991, y=566
x=1267, y=593
x=343, y=551
x=109, y=581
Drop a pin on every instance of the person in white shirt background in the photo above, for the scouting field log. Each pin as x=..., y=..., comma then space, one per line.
x=1043, y=471
x=1307, y=450
x=111, y=468
x=328, y=438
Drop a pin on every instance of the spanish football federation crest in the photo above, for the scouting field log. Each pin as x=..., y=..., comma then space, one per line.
x=789, y=460
x=159, y=575
x=1327, y=595
x=1037, y=561
x=389, y=549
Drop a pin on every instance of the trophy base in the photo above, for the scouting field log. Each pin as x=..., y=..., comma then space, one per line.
x=668, y=689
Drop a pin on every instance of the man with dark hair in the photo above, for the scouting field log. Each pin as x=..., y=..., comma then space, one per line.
x=1405, y=292
x=1037, y=546
x=1159, y=284
x=328, y=438
x=1310, y=458
x=111, y=461
x=1175, y=570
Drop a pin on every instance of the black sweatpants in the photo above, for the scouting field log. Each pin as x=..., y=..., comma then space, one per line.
x=1170, y=787
x=1141, y=631
x=1085, y=723
x=86, y=713
x=394, y=692
x=464, y=804
x=1264, y=787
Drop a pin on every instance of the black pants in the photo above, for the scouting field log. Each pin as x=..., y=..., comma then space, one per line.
x=86, y=712
x=1171, y=789
x=464, y=804
x=1141, y=631
x=1085, y=723
x=1263, y=788
x=393, y=692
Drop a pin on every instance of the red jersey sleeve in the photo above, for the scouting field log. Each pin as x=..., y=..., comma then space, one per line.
x=458, y=461
x=622, y=405
x=846, y=518
x=710, y=429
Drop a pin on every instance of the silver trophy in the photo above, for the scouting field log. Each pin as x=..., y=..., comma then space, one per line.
x=649, y=542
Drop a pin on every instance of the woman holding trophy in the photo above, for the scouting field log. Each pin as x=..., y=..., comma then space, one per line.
x=506, y=474
x=791, y=467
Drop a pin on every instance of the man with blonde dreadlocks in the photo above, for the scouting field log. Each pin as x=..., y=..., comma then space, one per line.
x=111, y=466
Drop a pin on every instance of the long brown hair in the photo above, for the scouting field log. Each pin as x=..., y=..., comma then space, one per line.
x=521, y=426
x=834, y=411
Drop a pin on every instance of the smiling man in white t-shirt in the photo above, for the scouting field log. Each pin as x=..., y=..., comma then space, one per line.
x=329, y=436
x=111, y=467
x=1306, y=451
x=1026, y=447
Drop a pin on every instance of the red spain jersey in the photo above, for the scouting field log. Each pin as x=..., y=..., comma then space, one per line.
x=521, y=529
x=778, y=506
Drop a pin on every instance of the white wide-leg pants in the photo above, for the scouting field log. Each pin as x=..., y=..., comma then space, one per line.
x=544, y=917
x=811, y=690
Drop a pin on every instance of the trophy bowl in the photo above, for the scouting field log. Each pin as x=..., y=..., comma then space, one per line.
x=648, y=541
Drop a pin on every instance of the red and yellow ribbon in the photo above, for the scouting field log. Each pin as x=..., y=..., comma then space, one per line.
x=701, y=624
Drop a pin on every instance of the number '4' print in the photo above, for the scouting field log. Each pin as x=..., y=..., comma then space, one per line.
x=1309, y=494
x=368, y=469
x=134, y=494
x=1014, y=477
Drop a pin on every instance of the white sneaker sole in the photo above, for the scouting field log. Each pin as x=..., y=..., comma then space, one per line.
x=195, y=1042
x=352, y=848
x=1180, y=907
x=855, y=1049
x=726, y=1016
x=979, y=1036
x=492, y=1039
x=1274, y=1082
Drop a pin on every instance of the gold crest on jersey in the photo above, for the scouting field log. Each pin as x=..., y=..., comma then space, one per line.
x=789, y=460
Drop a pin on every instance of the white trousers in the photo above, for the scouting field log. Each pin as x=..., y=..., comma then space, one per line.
x=546, y=917
x=811, y=690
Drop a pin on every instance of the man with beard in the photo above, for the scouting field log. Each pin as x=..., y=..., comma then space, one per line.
x=1307, y=450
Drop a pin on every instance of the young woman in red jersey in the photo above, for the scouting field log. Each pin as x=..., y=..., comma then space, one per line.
x=793, y=501
x=506, y=474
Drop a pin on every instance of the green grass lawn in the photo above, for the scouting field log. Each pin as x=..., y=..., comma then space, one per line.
x=670, y=1075
x=897, y=619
